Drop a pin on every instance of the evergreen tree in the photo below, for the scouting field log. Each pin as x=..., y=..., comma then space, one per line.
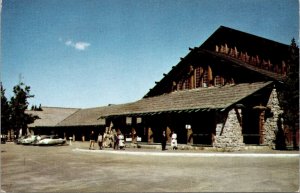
x=18, y=103
x=290, y=92
x=5, y=112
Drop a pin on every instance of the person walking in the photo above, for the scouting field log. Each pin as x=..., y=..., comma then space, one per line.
x=163, y=141
x=100, y=141
x=92, y=139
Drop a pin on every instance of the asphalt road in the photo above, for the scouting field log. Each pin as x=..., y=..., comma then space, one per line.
x=77, y=169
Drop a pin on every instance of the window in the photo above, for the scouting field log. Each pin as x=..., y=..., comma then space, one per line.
x=218, y=81
x=187, y=84
x=198, y=77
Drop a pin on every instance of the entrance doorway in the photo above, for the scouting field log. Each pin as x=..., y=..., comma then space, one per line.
x=252, y=126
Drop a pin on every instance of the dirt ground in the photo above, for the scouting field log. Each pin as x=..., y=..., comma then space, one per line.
x=65, y=169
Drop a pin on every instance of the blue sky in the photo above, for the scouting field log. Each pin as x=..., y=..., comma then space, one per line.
x=90, y=53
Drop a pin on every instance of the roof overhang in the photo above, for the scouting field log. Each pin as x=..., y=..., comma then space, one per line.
x=192, y=101
x=142, y=114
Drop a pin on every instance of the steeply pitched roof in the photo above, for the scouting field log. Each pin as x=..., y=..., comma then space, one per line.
x=51, y=116
x=192, y=100
x=245, y=42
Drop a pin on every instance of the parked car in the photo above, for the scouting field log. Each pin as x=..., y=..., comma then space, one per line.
x=51, y=140
x=19, y=140
x=39, y=138
x=28, y=140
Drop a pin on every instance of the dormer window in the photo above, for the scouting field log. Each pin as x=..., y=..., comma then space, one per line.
x=218, y=81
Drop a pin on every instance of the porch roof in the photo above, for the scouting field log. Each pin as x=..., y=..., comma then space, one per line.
x=201, y=99
x=195, y=100
x=50, y=116
x=90, y=116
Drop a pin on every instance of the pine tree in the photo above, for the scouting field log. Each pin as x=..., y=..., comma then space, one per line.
x=5, y=112
x=290, y=92
x=18, y=103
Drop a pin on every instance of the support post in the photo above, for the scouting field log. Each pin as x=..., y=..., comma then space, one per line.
x=150, y=135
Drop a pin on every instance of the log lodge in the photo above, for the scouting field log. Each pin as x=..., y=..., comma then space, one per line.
x=223, y=94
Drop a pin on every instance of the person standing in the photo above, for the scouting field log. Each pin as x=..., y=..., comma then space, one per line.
x=174, y=140
x=121, y=143
x=100, y=141
x=163, y=141
x=92, y=139
x=116, y=141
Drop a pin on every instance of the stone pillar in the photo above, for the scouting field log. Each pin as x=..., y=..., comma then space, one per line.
x=150, y=135
x=229, y=134
x=270, y=125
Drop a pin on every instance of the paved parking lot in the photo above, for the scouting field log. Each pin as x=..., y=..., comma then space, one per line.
x=77, y=169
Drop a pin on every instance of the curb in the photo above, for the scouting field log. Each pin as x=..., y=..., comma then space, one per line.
x=171, y=154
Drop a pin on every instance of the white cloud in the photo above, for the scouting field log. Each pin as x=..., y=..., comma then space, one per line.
x=81, y=45
x=77, y=45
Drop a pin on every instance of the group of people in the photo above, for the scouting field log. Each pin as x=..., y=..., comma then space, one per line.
x=173, y=141
x=117, y=140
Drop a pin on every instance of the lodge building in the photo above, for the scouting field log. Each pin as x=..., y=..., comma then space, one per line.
x=223, y=93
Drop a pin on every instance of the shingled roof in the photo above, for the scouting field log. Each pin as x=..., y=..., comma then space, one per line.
x=200, y=99
x=194, y=100
x=91, y=116
x=51, y=116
